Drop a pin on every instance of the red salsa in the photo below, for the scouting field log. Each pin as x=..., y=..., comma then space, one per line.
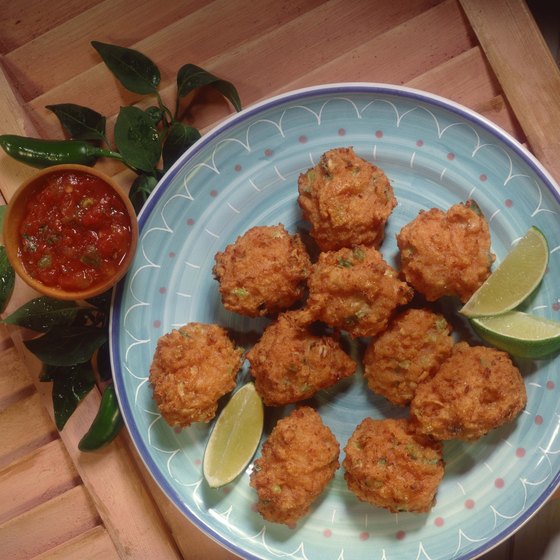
x=76, y=232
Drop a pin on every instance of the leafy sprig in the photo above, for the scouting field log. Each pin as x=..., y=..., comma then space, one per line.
x=74, y=338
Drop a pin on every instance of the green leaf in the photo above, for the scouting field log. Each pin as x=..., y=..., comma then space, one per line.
x=70, y=385
x=179, y=138
x=67, y=346
x=135, y=71
x=191, y=77
x=7, y=279
x=155, y=114
x=140, y=190
x=42, y=313
x=137, y=139
x=81, y=122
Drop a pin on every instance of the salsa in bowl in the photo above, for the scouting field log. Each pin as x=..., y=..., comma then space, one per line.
x=70, y=232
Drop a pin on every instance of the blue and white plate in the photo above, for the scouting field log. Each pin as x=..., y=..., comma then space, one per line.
x=244, y=174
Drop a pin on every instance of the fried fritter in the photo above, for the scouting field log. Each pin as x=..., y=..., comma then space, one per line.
x=346, y=199
x=298, y=460
x=389, y=465
x=446, y=253
x=291, y=364
x=409, y=352
x=475, y=390
x=193, y=367
x=355, y=290
x=263, y=271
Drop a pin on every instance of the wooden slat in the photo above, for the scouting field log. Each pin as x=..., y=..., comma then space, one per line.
x=16, y=382
x=94, y=544
x=35, y=478
x=420, y=37
x=258, y=63
x=25, y=426
x=48, y=525
x=526, y=70
x=24, y=20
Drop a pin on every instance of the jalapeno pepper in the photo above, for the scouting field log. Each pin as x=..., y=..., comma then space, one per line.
x=40, y=153
x=106, y=424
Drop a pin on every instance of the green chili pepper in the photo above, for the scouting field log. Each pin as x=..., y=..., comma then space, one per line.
x=7, y=279
x=40, y=153
x=106, y=424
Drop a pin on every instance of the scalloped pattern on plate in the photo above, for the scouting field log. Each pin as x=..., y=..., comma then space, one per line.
x=243, y=174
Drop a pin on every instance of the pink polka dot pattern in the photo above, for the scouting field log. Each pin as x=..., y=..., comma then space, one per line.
x=364, y=536
x=157, y=324
x=163, y=290
x=508, y=203
x=327, y=533
x=439, y=522
x=341, y=132
x=171, y=254
x=302, y=139
x=379, y=134
x=499, y=483
x=520, y=452
x=419, y=143
x=190, y=222
x=483, y=177
x=550, y=385
x=268, y=152
x=450, y=156
x=539, y=419
x=556, y=306
x=237, y=167
x=400, y=535
x=469, y=504
x=213, y=193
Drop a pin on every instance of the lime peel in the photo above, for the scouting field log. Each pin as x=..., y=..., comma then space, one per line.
x=520, y=334
x=514, y=280
x=234, y=438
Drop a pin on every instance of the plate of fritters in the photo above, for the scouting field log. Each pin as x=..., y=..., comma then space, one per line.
x=333, y=233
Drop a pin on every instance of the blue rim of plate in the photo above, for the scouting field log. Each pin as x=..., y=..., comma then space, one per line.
x=118, y=359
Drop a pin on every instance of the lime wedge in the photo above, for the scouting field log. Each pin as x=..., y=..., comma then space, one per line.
x=235, y=437
x=515, y=279
x=520, y=334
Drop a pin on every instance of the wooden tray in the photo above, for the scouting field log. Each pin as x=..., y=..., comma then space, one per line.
x=489, y=56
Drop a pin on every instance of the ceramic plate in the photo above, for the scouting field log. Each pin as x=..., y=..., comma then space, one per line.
x=244, y=174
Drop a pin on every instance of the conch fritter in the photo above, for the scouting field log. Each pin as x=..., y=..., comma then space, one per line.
x=263, y=271
x=290, y=363
x=298, y=460
x=475, y=390
x=346, y=199
x=389, y=465
x=409, y=352
x=193, y=367
x=355, y=290
x=446, y=253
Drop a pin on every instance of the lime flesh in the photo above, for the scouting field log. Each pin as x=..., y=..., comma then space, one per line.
x=515, y=279
x=235, y=437
x=520, y=334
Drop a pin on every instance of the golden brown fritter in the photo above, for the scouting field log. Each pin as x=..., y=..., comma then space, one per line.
x=291, y=364
x=298, y=460
x=409, y=352
x=355, y=290
x=446, y=253
x=476, y=390
x=389, y=465
x=193, y=367
x=346, y=199
x=263, y=271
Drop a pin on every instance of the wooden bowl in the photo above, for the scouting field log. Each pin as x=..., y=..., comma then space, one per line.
x=107, y=269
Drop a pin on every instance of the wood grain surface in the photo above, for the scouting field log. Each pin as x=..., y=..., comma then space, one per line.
x=57, y=503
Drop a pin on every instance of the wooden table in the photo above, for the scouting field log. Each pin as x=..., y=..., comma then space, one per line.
x=487, y=55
